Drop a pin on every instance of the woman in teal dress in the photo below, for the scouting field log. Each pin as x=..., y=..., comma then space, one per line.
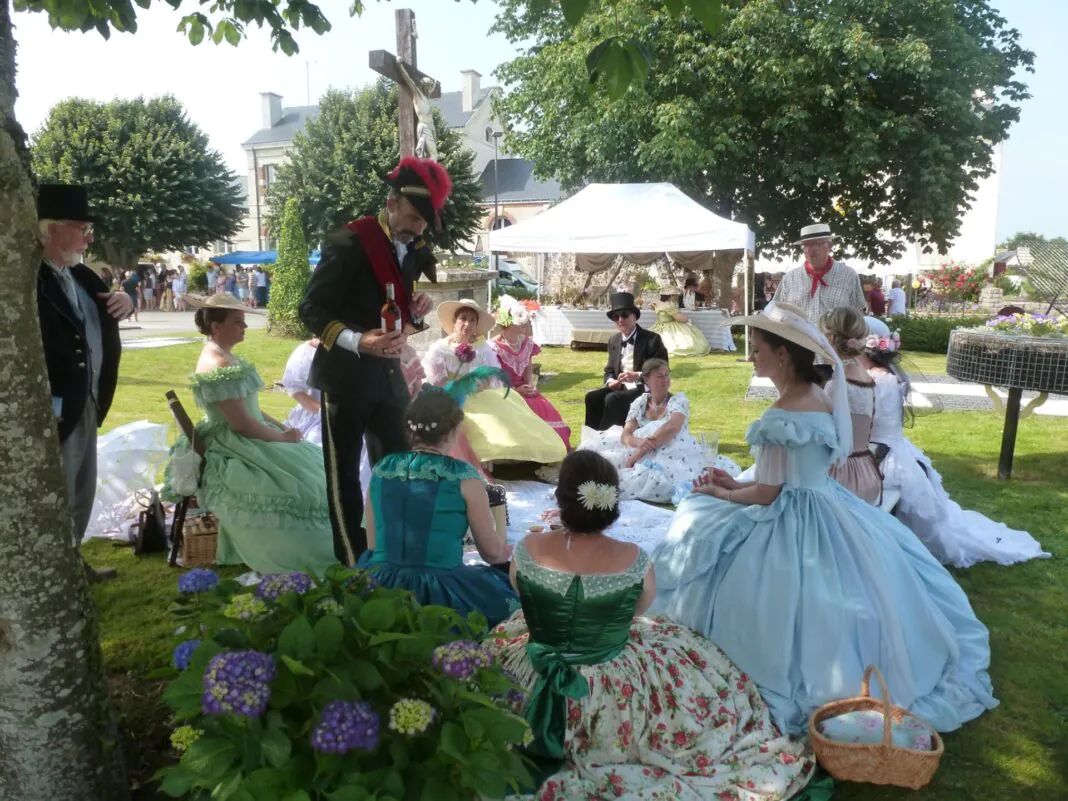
x=622, y=706
x=802, y=582
x=264, y=484
x=422, y=504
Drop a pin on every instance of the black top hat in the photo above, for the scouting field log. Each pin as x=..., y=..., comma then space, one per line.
x=622, y=301
x=63, y=202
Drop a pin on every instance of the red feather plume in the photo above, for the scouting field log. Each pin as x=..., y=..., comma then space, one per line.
x=432, y=174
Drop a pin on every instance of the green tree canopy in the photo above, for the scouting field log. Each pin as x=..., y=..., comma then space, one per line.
x=333, y=170
x=880, y=115
x=154, y=181
x=1032, y=240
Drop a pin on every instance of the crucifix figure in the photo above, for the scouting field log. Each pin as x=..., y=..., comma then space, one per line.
x=414, y=89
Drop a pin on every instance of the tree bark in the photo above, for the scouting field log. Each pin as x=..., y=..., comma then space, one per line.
x=58, y=738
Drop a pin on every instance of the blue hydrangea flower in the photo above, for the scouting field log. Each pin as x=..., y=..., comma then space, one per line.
x=346, y=726
x=274, y=585
x=184, y=652
x=238, y=683
x=199, y=579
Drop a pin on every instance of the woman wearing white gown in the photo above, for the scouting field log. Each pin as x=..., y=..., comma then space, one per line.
x=953, y=535
x=305, y=415
x=654, y=452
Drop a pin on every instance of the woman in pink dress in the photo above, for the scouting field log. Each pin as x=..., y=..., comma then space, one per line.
x=515, y=349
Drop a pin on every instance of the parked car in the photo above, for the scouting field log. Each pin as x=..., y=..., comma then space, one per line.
x=512, y=276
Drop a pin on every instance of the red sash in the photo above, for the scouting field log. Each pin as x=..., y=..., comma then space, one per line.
x=383, y=258
x=817, y=275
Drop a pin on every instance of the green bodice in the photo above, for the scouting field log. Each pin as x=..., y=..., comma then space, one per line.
x=227, y=383
x=573, y=620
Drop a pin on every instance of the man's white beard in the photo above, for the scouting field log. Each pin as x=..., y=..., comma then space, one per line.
x=70, y=258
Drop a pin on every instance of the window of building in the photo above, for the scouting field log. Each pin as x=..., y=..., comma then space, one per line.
x=499, y=223
x=489, y=134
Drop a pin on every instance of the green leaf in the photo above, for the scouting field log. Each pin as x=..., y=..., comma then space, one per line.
x=233, y=35
x=265, y=782
x=276, y=747
x=210, y=757
x=675, y=7
x=394, y=783
x=177, y=780
x=574, y=10
x=297, y=639
x=296, y=666
x=162, y=673
x=377, y=615
x=225, y=790
x=398, y=754
x=352, y=792
x=231, y=638
x=391, y=636
x=183, y=695
x=365, y=675
x=454, y=742
x=299, y=795
x=708, y=12
x=329, y=634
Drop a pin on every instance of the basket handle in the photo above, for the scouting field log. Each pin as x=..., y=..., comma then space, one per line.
x=865, y=690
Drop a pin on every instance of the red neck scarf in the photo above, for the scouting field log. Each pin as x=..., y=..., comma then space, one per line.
x=817, y=275
x=383, y=257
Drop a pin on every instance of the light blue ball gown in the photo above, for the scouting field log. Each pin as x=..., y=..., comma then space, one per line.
x=804, y=593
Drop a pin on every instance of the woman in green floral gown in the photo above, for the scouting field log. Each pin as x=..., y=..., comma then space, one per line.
x=622, y=706
x=264, y=484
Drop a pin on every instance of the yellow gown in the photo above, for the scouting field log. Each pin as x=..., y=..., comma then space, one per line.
x=498, y=427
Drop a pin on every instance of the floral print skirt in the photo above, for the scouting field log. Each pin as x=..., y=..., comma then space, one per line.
x=671, y=717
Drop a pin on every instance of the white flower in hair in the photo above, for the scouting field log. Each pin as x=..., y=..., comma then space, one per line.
x=597, y=496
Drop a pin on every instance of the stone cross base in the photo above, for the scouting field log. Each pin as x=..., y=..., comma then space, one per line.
x=451, y=285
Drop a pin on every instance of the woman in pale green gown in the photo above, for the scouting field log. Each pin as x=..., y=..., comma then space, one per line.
x=266, y=486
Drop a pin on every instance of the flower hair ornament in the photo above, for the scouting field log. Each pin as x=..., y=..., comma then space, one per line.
x=413, y=426
x=879, y=344
x=593, y=495
x=511, y=312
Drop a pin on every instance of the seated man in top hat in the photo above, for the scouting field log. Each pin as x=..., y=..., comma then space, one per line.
x=357, y=364
x=627, y=351
x=821, y=283
x=79, y=318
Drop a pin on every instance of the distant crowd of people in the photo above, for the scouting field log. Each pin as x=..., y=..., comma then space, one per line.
x=157, y=287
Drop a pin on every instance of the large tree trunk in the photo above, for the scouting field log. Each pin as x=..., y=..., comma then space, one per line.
x=57, y=730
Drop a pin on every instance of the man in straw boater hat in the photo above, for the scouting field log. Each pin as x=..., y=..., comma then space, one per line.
x=79, y=320
x=357, y=365
x=628, y=350
x=821, y=283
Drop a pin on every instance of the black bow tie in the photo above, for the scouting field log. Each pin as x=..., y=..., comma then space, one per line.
x=629, y=340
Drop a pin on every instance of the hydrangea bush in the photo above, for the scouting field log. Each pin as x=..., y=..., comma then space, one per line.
x=336, y=690
x=1030, y=325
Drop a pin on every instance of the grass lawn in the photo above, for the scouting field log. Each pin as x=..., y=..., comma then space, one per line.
x=1019, y=751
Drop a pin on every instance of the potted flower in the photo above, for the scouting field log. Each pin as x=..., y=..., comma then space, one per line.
x=336, y=690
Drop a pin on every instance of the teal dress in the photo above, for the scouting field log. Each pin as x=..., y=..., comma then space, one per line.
x=269, y=497
x=420, y=521
x=635, y=708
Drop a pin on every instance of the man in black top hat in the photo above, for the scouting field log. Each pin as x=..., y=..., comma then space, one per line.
x=357, y=364
x=627, y=352
x=79, y=320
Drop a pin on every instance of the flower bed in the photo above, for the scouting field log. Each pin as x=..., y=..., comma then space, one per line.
x=340, y=690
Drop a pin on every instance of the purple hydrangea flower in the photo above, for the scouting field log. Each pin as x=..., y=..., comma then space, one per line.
x=460, y=659
x=346, y=726
x=514, y=698
x=238, y=683
x=184, y=652
x=365, y=581
x=199, y=579
x=274, y=585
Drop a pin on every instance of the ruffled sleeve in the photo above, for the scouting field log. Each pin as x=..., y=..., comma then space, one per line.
x=225, y=383
x=792, y=429
x=772, y=465
x=295, y=377
x=679, y=404
x=416, y=466
x=637, y=408
x=435, y=363
x=485, y=356
x=535, y=348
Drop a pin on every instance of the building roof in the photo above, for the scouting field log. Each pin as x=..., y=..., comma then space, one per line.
x=289, y=124
x=293, y=119
x=518, y=184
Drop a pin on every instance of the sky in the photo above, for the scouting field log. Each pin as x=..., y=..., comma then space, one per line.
x=220, y=85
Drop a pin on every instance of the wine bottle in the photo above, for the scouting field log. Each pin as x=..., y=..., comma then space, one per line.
x=391, y=315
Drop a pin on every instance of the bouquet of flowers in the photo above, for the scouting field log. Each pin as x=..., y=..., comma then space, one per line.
x=1030, y=325
x=465, y=353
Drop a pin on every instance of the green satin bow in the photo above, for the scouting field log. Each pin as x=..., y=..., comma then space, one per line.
x=558, y=680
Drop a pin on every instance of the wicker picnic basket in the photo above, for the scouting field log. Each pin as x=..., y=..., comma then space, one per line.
x=883, y=763
x=200, y=539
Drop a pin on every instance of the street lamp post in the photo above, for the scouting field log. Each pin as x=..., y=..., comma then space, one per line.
x=496, y=200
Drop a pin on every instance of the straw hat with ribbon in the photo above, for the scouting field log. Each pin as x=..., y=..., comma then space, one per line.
x=447, y=315
x=789, y=322
x=222, y=301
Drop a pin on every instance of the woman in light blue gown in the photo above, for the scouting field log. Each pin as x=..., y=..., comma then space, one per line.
x=802, y=583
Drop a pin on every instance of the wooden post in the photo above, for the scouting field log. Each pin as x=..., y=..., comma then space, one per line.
x=406, y=52
x=1008, y=434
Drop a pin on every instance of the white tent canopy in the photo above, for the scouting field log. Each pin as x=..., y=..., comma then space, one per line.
x=624, y=218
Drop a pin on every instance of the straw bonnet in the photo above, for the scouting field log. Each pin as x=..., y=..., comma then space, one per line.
x=815, y=231
x=790, y=323
x=223, y=300
x=447, y=315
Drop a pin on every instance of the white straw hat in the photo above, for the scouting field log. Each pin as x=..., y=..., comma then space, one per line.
x=223, y=300
x=447, y=315
x=813, y=232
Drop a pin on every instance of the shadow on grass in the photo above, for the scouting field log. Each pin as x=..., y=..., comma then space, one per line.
x=1031, y=470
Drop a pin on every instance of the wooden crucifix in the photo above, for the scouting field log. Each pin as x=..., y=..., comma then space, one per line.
x=402, y=70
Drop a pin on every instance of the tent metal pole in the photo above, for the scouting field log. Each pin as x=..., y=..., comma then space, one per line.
x=747, y=299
